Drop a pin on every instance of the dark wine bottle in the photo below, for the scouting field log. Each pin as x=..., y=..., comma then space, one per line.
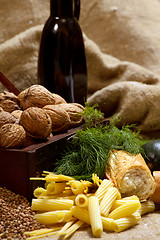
x=62, y=65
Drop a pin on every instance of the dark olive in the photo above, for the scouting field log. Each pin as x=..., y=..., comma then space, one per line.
x=152, y=154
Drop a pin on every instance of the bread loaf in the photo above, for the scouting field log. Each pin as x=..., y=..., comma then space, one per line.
x=156, y=195
x=130, y=174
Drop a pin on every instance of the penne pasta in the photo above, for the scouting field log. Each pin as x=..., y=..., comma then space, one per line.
x=81, y=214
x=108, y=200
x=42, y=235
x=73, y=228
x=120, y=202
x=65, y=227
x=77, y=187
x=127, y=222
x=45, y=205
x=81, y=200
x=108, y=223
x=39, y=191
x=95, y=216
x=41, y=231
x=53, y=217
x=125, y=210
x=133, y=197
x=59, y=196
x=51, y=177
x=55, y=188
x=147, y=207
x=103, y=189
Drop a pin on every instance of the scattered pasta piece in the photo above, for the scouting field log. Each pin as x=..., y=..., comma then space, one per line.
x=53, y=217
x=55, y=187
x=108, y=200
x=81, y=200
x=127, y=222
x=81, y=214
x=95, y=216
x=65, y=227
x=147, y=207
x=125, y=209
x=42, y=231
x=73, y=228
x=77, y=187
x=105, y=184
x=108, y=224
x=51, y=204
x=57, y=178
x=42, y=235
x=119, y=202
x=39, y=191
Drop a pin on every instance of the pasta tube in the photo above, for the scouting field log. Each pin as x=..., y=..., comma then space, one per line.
x=39, y=191
x=41, y=231
x=77, y=187
x=120, y=202
x=103, y=189
x=147, y=207
x=45, y=205
x=108, y=223
x=108, y=200
x=95, y=216
x=53, y=217
x=127, y=222
x=81, y=200
x=73, y=228
x=42, y=235
x=125, y=210
x=59, y=196
x=81, y=214
x=55, y=188
x=65, y=227
x=57, y=178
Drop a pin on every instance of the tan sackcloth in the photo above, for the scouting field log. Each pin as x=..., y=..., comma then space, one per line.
x=122, y=43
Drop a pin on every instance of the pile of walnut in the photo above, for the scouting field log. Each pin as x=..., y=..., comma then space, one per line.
x=35, y=115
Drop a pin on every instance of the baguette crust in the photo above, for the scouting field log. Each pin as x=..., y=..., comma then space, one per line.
x=130, y=174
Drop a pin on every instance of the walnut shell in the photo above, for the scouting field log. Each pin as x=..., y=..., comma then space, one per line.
x=12, y=136
x=60, y=118
x=6, y=117
x=17, y=113
x=36, y=122
x=58, y=99
x=73, y=109
x=9, y=101
x=35, y=96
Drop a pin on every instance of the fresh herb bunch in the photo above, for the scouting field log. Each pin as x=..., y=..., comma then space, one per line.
x=89, y=149
x=91, y=115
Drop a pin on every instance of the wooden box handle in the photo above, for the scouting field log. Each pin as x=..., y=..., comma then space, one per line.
x=7, y=83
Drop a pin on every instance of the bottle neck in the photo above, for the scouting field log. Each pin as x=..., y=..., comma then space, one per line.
x=61, y=8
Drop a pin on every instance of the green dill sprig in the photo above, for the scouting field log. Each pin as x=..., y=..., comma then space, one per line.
x=88, y=151
x=91, y=115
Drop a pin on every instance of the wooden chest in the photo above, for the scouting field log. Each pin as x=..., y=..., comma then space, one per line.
x=18, y=165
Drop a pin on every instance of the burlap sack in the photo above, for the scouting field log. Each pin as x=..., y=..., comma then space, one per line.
x=122, y=49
